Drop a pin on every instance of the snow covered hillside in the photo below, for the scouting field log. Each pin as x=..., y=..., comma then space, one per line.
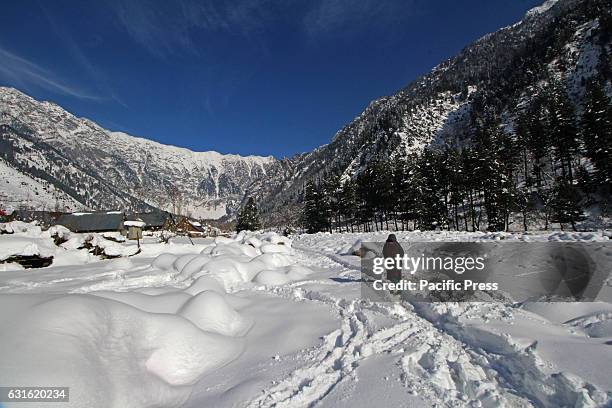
x=112, y=170
x=259, y=320
x=499, y=76
x=19, y=189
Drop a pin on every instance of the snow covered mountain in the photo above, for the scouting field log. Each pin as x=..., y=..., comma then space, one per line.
x=501, y=72
x=76, y=163
x=83, y=165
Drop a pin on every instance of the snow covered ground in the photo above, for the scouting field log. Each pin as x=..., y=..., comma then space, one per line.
x=259, y=320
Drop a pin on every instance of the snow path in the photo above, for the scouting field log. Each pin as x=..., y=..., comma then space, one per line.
x=410, y=338
x=440, y=363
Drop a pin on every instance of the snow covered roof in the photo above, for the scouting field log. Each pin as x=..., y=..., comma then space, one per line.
x=134, y=223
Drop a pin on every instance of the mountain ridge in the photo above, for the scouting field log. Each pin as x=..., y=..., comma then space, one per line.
x=501, y=71
x=204, y=184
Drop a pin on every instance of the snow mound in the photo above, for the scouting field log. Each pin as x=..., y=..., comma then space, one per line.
x=194, y=265
x=25, y=246
x=206, y=282
x=107, y=352
x=274, y=238
x=20, y=227
x=164, y=262
x=59, y=231
x=108, y=247
x=229, y=270
x=184, y=353
x=160, y=303
x=281, y=276
x=272, y=277
x=210, y=311
x=235, y=249
x=273, y=248
x=253, y=241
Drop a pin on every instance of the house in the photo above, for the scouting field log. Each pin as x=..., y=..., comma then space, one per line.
x=155, y=221
x=189, y=227
x=99, y=221
x=133, y=228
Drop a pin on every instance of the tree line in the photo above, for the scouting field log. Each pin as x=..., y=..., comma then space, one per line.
x=548, y=166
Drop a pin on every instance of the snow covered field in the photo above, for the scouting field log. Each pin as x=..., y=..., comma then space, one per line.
x=259, y=320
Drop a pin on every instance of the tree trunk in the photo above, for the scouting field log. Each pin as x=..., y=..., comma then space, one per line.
x=472, y=211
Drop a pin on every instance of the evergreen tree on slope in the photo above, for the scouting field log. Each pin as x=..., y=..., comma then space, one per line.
x=597, y=131
x=248, y=218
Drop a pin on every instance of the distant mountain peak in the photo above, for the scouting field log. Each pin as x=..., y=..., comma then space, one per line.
x=130, y=171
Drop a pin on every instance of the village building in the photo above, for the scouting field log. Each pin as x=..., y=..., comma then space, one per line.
x=154, y=221
x=100, y=221
x=189, y=227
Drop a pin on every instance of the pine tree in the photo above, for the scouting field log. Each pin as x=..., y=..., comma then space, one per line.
x=533, y=130
x=432, y=212
x=566, y=204
x=385, y=196
x=456, y=189
x=330, y=190
x=398, y=189
x=406, y=185
x=508, y=157
x=366, y=197
x=562, y=128
x=524, y=203
x=597, y=131
x=348, y=203
x=487, y=171
x=471, y=184
x=314, y=217
x=248, y=218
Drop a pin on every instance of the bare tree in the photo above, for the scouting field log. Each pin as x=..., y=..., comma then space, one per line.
x=175, y=198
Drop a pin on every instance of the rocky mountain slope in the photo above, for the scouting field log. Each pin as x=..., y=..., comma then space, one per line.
x=85, y=165
x=100, y=169
x=503, y=71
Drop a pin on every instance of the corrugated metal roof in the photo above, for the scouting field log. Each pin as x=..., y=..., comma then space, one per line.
x=152, y=219
x=92, y=222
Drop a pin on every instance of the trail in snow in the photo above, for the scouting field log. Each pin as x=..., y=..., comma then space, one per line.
x=435, y=365
x=444, y=367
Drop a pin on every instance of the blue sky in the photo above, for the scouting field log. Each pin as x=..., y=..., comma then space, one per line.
x=247, y=76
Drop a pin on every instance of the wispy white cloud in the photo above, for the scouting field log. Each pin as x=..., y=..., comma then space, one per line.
x=168, y=28
x=69, y=43
x=23, y=73
x=347, y=17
